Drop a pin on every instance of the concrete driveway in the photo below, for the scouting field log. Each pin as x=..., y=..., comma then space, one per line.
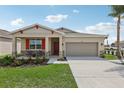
x=94, y=72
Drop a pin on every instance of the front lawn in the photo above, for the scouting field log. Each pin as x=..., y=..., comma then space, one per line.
x=47, y=76
x=110, y=57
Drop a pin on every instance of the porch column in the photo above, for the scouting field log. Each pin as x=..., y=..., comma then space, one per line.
x=46, y=46
x=60, y=47
x=14, y=46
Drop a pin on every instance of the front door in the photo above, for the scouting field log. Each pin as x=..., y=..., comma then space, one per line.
x=56, y=48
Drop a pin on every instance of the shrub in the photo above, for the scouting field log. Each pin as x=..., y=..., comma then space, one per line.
x=37, y=60
x=102, y=56
x=46, y=60
x=29, y=60
x=23, y=61
x=112, y=52
x=7, y=60
x=16, y=63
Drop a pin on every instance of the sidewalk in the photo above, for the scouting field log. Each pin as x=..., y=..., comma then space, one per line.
x=53, y=60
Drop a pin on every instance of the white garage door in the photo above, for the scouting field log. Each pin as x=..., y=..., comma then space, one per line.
x=81, y=49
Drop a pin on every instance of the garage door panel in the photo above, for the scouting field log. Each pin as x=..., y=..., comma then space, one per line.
x=81, y=49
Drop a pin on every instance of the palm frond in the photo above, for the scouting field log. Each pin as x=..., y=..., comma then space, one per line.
x=116, y=10
x=113, y=14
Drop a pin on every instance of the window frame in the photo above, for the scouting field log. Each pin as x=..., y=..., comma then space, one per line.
x=35, y=44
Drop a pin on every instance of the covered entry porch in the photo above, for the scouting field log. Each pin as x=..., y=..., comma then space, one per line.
x=48, y=46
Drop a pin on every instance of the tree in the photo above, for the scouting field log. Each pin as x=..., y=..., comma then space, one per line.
x=117, y=11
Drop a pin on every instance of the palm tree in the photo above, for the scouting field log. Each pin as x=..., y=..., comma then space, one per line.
x=117, y=11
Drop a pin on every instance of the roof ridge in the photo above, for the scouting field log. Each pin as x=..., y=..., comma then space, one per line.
x=61, y=28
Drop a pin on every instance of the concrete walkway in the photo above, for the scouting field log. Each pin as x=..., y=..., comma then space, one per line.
x=96, y=73
x=53, y=60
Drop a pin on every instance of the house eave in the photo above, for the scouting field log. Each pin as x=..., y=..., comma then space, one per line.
x=89, y=36
x=86, y=35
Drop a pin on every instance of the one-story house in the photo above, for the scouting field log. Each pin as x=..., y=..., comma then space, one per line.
x=61, y=41
x=6, y=43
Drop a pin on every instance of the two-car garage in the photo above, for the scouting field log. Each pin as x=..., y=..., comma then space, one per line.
x=81, y=49
x=79, y=44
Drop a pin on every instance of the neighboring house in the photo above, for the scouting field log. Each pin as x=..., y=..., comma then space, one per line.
x=61, y=41
x=121, y=44
x=6, y=42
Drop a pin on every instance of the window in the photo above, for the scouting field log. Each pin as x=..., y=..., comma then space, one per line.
x=38, y=44
x=35, y=44
x=32, y=44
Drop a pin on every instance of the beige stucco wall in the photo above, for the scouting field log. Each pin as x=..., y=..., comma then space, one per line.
x=23, y=44
x=6, y=46
x=86, y=39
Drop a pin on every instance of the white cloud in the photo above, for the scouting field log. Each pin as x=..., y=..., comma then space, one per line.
x=115, y=19
x=101, y=28
x=76, y=11
x=105, y=29
x=113, y=39
x=17, y=22
x=55, y=18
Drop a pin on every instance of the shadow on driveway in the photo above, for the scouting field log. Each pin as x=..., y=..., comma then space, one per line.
x=119, y=69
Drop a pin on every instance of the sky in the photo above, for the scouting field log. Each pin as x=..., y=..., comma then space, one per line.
x=81, y=18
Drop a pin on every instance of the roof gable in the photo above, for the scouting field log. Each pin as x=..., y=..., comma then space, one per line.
x=36, y=26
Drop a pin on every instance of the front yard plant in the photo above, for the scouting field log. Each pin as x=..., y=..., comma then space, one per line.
x=6, y=60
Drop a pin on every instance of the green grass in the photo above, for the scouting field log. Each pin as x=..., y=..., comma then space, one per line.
x=110, y=57
x=47, y=76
